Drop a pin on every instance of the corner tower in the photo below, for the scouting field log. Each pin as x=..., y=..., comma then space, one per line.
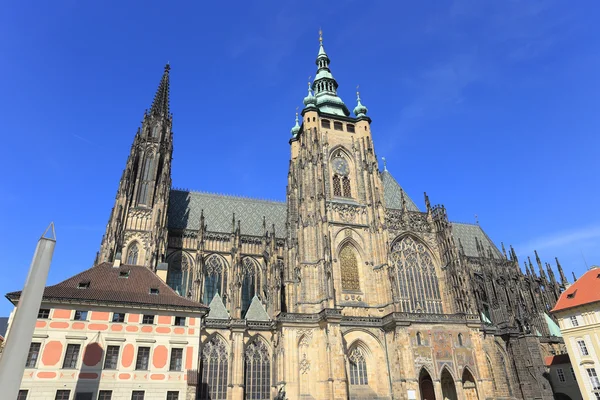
x=336, y=236
x=136, y=232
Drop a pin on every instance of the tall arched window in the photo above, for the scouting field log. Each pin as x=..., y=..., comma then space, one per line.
x=250, y=282
x=341, y=171
x=337, y=186
x=460, y=340
x=214, y=370
x=179, y=275
x=417, y=279
x=147, y=173
x=257, y=371
x=419, y=339
x=346, y=187
x=215, y=280
x=358, y=367
x=155, y=131
x=132, y=254
x=349, y=268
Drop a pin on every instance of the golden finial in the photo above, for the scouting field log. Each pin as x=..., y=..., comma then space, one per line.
x=320, y=36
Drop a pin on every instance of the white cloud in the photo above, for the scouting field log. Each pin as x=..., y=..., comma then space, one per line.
x=577, y=238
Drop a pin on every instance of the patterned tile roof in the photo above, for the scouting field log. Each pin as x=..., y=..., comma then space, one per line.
x=256, y=311
x=217, y=308
x=185, y=208
x=392, y=193
x=127, y=284
x=467, y=234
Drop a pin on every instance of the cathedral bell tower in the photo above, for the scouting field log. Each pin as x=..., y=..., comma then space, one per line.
x=136, y=232
x=336, y=236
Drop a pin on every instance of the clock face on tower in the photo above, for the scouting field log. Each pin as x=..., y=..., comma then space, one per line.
x=340, y=166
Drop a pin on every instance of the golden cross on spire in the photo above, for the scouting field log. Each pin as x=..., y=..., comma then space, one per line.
x=320, y=36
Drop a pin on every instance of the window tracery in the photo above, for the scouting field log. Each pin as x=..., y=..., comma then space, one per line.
x=340, y=175
x=417, y=280
x=132, y=254
x=349, y=268
x=215, y=278
x=250, y=282
x=214, y=370
x=257, y=371
x=358, y=367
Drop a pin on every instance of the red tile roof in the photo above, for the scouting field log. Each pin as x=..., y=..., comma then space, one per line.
x=126, y=285
x=585, y=290
x=557, y=359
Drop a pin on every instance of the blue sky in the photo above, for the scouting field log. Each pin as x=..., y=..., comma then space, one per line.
x=490, y=107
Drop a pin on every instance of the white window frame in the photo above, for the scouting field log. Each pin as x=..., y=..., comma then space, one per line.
x=574, y=321
x=583, y=347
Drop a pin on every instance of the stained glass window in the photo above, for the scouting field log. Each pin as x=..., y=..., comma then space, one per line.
x=179, y=275
x=349, y=267
x=417, y=280
x=250, y=282
x=214, y=269
x=147, y=174
x=358, y=368
x=214, y=370
x=132, y=254
x=257, y=371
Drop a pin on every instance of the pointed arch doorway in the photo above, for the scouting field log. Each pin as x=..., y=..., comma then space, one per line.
x=469, y=385
x=426, y=386
x=448, y=387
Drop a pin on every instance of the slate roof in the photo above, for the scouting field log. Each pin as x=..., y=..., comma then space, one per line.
x=256, y=311
x=584, y=290
x=3, y=326
x=106, y=285
x=467, y=234
x=217, y=308
x=392, y=193
x=185, y=208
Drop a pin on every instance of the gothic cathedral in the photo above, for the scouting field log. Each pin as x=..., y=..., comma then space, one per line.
x=347, y=290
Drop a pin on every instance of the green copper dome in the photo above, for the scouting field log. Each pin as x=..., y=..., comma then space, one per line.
x=310, y=100
x=296, y=128
x=360, y=110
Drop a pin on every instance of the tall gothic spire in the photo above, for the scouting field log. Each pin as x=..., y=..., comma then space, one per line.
x=563, y=279
x=325, y=86
x=160, y=105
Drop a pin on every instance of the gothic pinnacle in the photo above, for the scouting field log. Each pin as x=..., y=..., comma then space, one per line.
x=531, y=267
x=563, y=279
x=160, y=105
x=539, y=263
x=504, y=250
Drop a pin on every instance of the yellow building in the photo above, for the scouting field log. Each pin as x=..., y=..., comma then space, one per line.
x=578, y=314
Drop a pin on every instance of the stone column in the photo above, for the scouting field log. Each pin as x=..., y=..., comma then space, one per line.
x=237, y=359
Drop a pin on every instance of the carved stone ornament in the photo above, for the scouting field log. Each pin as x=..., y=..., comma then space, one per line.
x=415, y=221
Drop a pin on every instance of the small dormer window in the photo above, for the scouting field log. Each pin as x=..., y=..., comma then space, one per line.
x=83, y=285
x=153, y=290
x=325, y=123
x=124, y=274
x=350, y=128
x=338, y=126
x=571, y=295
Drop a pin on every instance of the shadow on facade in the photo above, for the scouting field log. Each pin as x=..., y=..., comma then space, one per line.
x=88, y=379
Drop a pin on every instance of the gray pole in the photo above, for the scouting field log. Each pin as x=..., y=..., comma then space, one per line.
x=12, y=362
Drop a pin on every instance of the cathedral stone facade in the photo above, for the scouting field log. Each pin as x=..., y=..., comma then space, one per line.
x=347, y=290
